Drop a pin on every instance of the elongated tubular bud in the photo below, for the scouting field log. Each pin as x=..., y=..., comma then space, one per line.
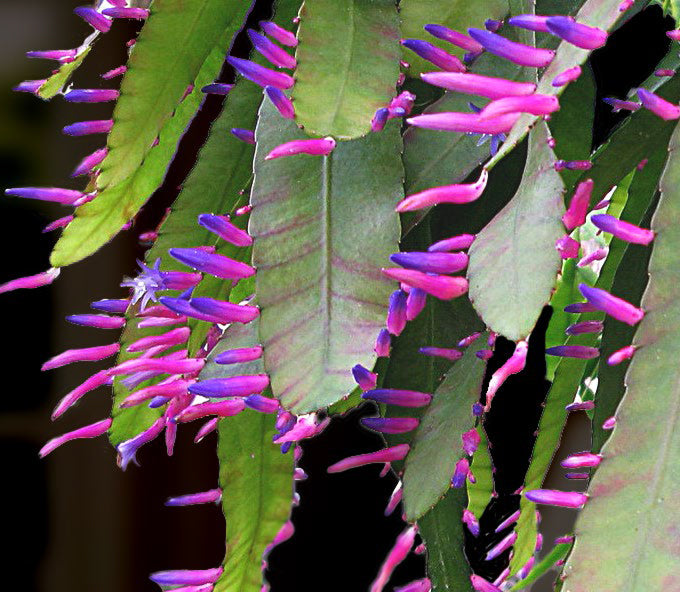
x=225, y=408
x=623, y=230
x=217, y=88
x=441, y=352
x=233, y=386
x=315, y=147
x=469, y=339
x=481, y=585
x=507, y=542
x=96, y=380
x=470, y=440
x=119, y=71
x=245, y=135
x=553, y=497
x=212, y=263
x=158, y=311
x=179, y=335
x=93, y=18
x=578, y=206
x=395, y=499
x=662, y=72
x=457, y=194
x=61, y=55
x=581, y=406
x=171, y=388
x=385, y=455
x=402, y=398
x=396, y=312
x=530, y=22
x=91, y=95
x=524, y=55
x=364, y=377
x=584, y=327
x=573, y=351
x=186, y=577
x=452, y=121
x=578, y=34
x=29, y=86
x=89, y=431
x=460, y=473
x=180, y=280
x=396, y=555
x=579, y=307
x=508, y=521
x=454, y=37
x=208, y=427
x=52, y=194
x=158, y=366
x=31, y=281
x=262, y=404
x=238, y=356
x=576, y=475
x=609, y=423
x=390, y=425
x=415, y=303
x=380, y=119
x=272, y=52
x=88, y=163
x=567, y=76
x=620, y=105
x=282, y=35
x=611, y=305
x=657, y=105
x=97, y=321
x=431, y=262
x=58, y=223
x=476, y=84
x=536, y=104
x=226, y=312
x=212, y=496
x=461, y=241
x=513, y=365
x=432, y=53
x=442, y=287
x=181, y=306
x=470, y=520
x=581, y=460
x=621, y=355
x=282, y=103
x=87, y=354
x=261, y=75
x=84, y=128
x=382, y=344
x=126, y=12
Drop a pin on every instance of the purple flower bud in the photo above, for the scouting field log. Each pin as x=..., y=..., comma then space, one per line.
x=222, y=227
x=91, y=95
x=173, y=387
x=391, y=425
x=484, y=354
x=262, y=404
x=442, y=352
x=579, y=307
x=261, y=75
x=395, y=499
x=443, y=287
x=657, y=105
x=578, y=34
x=321, y=146
x=186, y=577
x=52, y=194
x=245, y=135
x=93, y=18
x=61, y=55
x=364, y=377
x=127, y=451
x=403, y=398
x=404, y=100
x=578, y=206
x=513, y=365
x=476, y=84
x=119, y=71
x=212, y=263
x=573, y=165
x=212, y=496
x=89, y=431
x=454, y=37
x=611, y=305
x=382, y=344
x=84, y=128
x=32, y=281
x=619, y=105
x=553, y=497
x=573, y=351
x=662, y=72
x=88, y=163
x=674, y=35
x=621, y=355
x=609, y=423
x=461, y=241
x=507, y=542
x=96, y=380
x=29, y=86
x=126, y=12
x=225, y=408
x=460, y=473
x=431, y=262
x=173, y=337
x=217, y=88
x=576, y=475
x=282, y=103
x=208, y=427
x=282, y=35
x=524, y=55
x=564, y=540
x=508, y=521
x=380, y=119
x=432, y=53
x=536, y=104
x=567, y=76
x=581, y=460
x=452, y=121
x=581, y=406
x=87, y=354
x=272, y=52
x=530, y=22
x=415, y=303
x=584, y=327
x=238, y=356
x=385, y=455
x=97, y=320
x=225, y=312
x=396, y=313
x=233, y=386
x=396, y=555
x=458, y=194
x=471, y=522
x=481, y=585
x=623, y=230
x=165, y=365
x=471, y=440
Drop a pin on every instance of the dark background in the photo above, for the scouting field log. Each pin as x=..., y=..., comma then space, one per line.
x=74, y=522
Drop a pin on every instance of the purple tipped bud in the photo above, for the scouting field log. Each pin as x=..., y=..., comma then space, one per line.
x=454, y=37
x=214, y=264
x=58, y=223
x=620, y=105
x=261, y=75
x=86, y=166
x=502, y=546
x=553, y=497
x=623, y=230
x=96, y=380
x=621, y=355
x=573, y=165
x=84, y=128
x=282, y=103
x=212, y=496
x=443, y=287
x=272, y=52
x=579, y=307
x=576, y=475
x=460, y=473
x=431, y=262
x=126, y=12
x=98, y=321
x=584, y=327
x=238, y=356
x=93, y=18
x=514, y=365
x=163, y=390
x=61, y=55
x=452, y=121
x=578, y=34
x=222, y=227
x=471, y=440
x=524, y=55
x=662, y=72
x=127, y=451
x=390, y=425
x=481, y=585
x=458, y=194
x=395, y=499
x=226, y=312
x=609, y=423
x=461, y=241
x=403, y=398
x=53, y=194
x=217, y=88
x=578, y=207
x=396, y=313
x=32, y=281
x=415, y=303
x=432, y=53
x=476, y=84
x=282, y=35
x=29, y=86
x=484, y=354
x=573, y=351
x=581, y=460
x=380, y=119
x=397, y=554
x=657, y=105
x=173, y=337
x=262, y=404
x=536, y=104
x=581, y=406
x=233, y=386
x=245, y=135
x=567, y=76
x=390, y=454
x=119, y=71
x=611, y=305
x=91, y=95
x=186, y=577
x=208, y=427
x=321, y=146
x=508, y=521
x=471, y=522
x=87, y=354
x=89, y=431
x=469, y=339
x=364, y=377
x=382, y=344
x=226, y=408
x=530, y=22
x=442, y=352
x=567, y=247
x=492, y=25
